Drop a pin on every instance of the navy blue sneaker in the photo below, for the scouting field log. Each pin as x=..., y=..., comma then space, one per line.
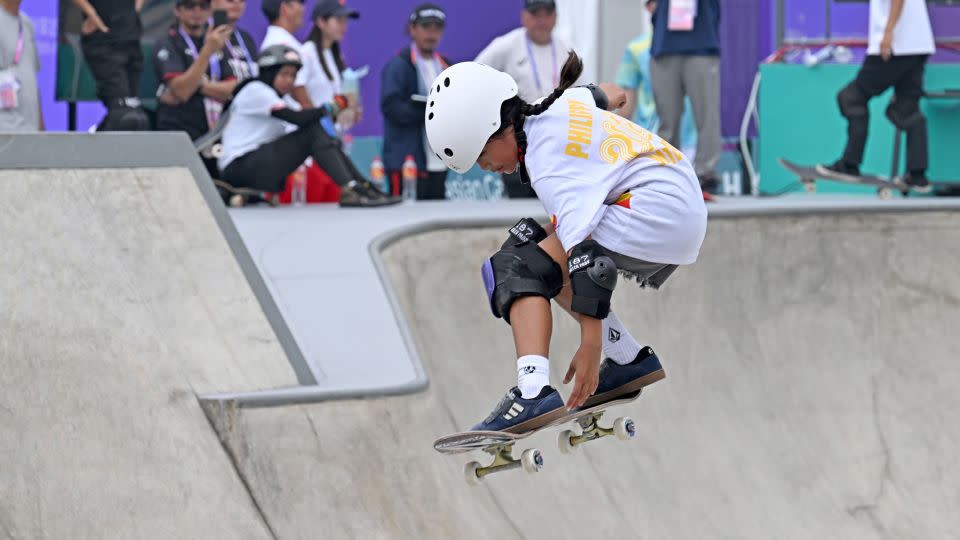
x=617, y=381
x=517, y=415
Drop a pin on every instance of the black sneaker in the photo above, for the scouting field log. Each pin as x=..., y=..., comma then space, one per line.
x=363, y=194
x=917, y=182
x=840, y=169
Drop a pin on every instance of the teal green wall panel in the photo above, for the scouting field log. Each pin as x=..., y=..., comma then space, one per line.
x=799, y=120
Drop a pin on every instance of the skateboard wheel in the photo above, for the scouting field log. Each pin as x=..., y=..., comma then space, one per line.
x=625, y=429
x=532, y=460
x=563, y=441
x=470, y=473
x=237, y=201
x=884, y=193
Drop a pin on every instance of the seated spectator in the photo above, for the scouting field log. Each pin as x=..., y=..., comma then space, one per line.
x=19, y=98
x=265, y=140
x=323, y=64
x=195, y=79
x=408, y=74
x=111, y=46
x=241, y=48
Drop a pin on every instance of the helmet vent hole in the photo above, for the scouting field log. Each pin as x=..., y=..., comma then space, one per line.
x=431, y=103
x=430, y=117
x=438, y=88
x=446, y=82
x=448, y=152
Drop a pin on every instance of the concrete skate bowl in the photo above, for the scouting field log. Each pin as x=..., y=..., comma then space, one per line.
x=811, y=393
x=120, y=301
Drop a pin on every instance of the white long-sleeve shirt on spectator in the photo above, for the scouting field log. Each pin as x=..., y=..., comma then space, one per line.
x=536, y=68
x=251, y=125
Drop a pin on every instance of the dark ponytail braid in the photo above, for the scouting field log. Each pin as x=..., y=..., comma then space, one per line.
x=514, y=111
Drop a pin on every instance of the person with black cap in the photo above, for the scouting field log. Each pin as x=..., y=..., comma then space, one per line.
x=323, y=63
x=406, y=76
x=195, y=78
x=265, y=140
x=532, y=55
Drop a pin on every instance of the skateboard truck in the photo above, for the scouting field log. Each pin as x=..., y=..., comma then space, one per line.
x=531, y=460
x=623, y=428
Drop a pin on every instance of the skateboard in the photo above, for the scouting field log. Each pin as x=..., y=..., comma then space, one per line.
x=238, y=197
x=499, y=444
x=809, y=175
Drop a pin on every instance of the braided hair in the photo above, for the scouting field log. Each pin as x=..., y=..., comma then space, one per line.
x=514, y=111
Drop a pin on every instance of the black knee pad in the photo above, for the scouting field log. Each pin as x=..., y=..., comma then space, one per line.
x=593, y=276
x=905, y=113
x=852, y=102
x=521, y=268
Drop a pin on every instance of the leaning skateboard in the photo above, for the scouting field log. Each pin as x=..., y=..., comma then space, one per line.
x=238, y=197
x=809, y=176
x=499, y=444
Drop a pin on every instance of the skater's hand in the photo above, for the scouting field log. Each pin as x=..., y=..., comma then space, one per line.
x=886, y=46
x=585, y=366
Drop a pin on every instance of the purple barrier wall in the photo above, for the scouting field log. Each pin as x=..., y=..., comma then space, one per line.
x=748, y=35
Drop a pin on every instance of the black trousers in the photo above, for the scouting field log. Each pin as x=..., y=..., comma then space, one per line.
x=515, y=189
x=116, y=68
x=267, y=167
x=905, y=75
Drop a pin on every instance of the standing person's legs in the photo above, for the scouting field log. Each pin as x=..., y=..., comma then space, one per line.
x=133, y=67
x=432, y=186
x=904, y=112
x=668, y=94
x=106, y=63
x=875, y=76
x=701, y=79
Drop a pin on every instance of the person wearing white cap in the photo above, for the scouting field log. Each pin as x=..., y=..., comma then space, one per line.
x=621, y=200
x=532, y=55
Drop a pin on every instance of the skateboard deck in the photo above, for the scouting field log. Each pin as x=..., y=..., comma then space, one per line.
x=500, y=444
x=809, y=176
x=237, y=197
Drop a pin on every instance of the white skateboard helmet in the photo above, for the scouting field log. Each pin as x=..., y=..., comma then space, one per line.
x=463, y=111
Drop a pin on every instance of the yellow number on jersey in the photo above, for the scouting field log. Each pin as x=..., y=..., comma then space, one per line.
x=626, y=140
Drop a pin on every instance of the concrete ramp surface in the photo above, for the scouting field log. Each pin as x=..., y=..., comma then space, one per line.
x=811, y=392
x=120, y=301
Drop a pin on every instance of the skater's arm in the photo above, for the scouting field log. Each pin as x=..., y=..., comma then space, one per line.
x=586, y=362
x=299, y=118
x=886, y=44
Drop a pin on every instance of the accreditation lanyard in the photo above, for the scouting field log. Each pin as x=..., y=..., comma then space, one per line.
x=18, y=51
x=427, y=71
x=533, y=65
x=243, y=53
x=214, y=60
x=211, y=107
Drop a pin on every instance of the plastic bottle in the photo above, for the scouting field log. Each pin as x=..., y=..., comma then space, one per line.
x=377, y=174
x=298, y=188
x=409, y=175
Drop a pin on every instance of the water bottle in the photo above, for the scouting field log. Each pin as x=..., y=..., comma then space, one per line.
x=409, y=175
x=377, y=174
x=298, y=189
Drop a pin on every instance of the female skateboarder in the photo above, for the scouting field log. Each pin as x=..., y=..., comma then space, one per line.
x=620, y=199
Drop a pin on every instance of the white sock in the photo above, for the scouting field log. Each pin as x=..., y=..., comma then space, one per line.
x=533, y=373
x=618, y=344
